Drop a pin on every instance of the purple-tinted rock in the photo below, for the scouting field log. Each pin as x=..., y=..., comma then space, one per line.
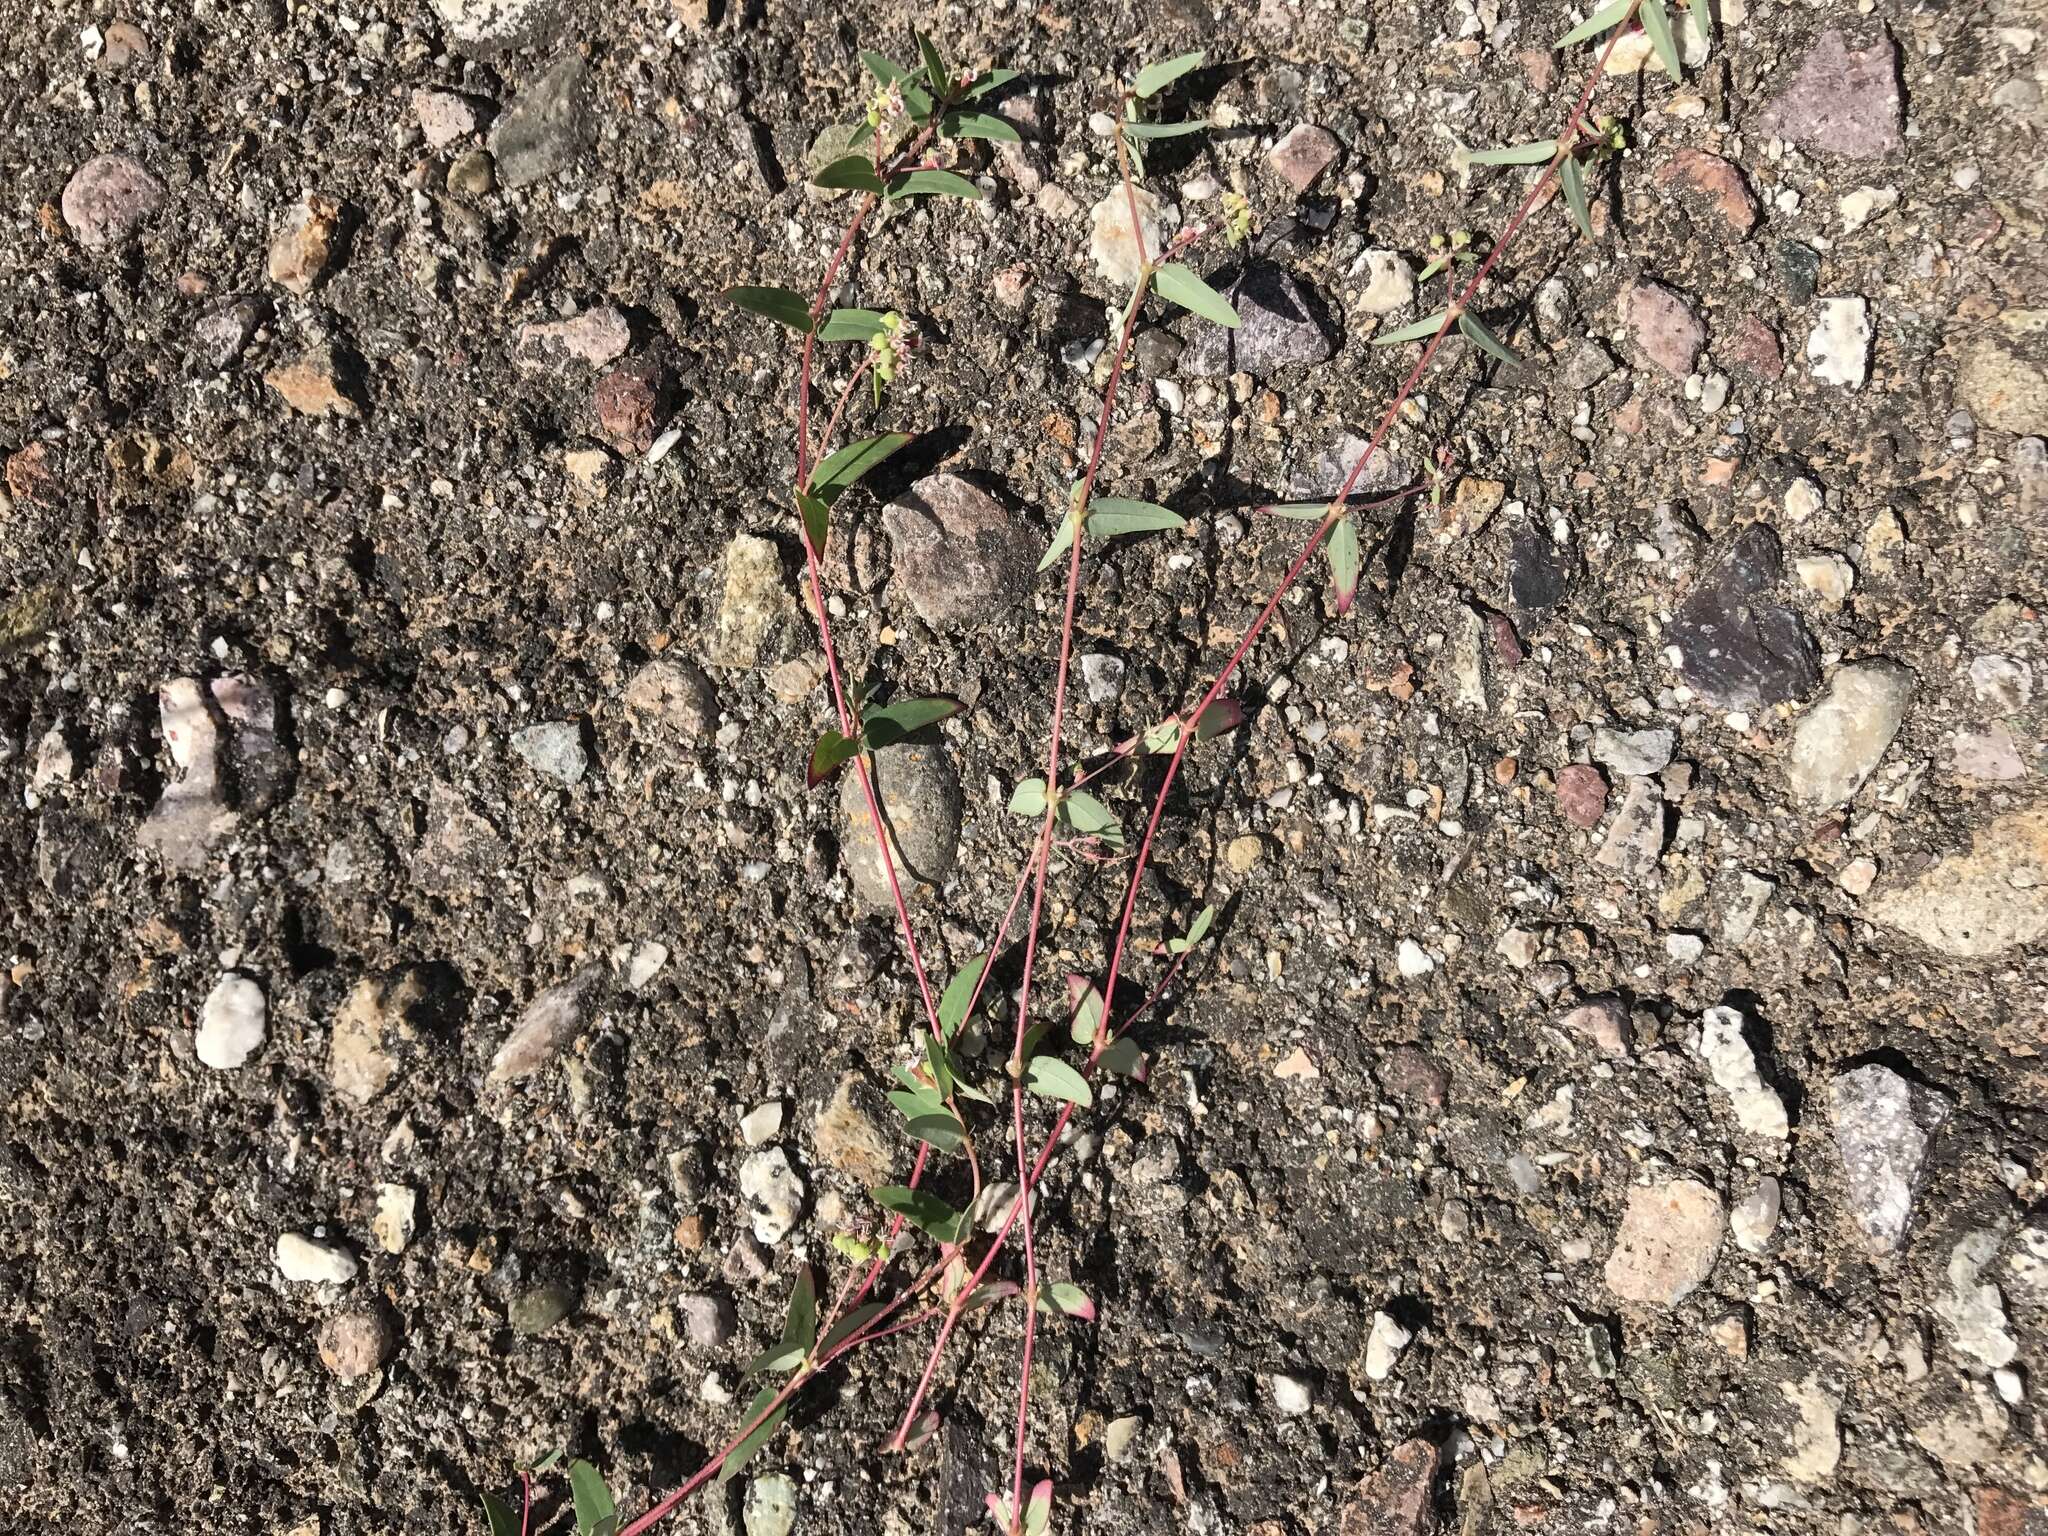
x=1665, y=327
x=108, y=198
x=957, y=554
x=1841, y=100
x=1277, y=328
x=219, y=339
x=1737, y=648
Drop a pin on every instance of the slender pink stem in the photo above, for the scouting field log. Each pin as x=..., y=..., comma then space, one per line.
x=832, y=425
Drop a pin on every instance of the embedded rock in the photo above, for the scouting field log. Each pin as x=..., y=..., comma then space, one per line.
x=1982, y=903
x=1667, y=1243
x=1737, y=648
x=957, y=553
x=1884, y=1124
x=1838, y=743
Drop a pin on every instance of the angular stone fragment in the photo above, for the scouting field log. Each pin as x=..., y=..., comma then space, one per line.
x=303, y=248
x=1883, y=1124
x=756, y=612
x=1635, y=840
x=1664, y=327
x=551, y=1021
x=1737, y=648
x=1982, y=903
x=1841, y=100
x=193, y=813
x=362, y=1050
x=1717, y=181
x=547, y=127
x=673, y=694
x=1758, y=1108
x=958, y=554
x=1396, y=1499
x=1669, y=1237
x=1838, y=743
x=1279, y=326
x=1303, y=155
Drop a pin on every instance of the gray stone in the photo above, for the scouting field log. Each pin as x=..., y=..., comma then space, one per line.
x=1539, y=573
x=1758, y=1108
x=756, y=614
x=1982, y=903
x=771, y=1505
x=488, y=26
x=1837, y=744
x=539, y=1308
x=547, y=127
x=710, y=1321
x=1391, y=284
x=1103, y=676
x=192, y=814
x=919, y=796
x=1755, y=1218
x=313, y=1260
x=1883, y=1124
x=2003, y=389
x=1838, y=347
x=956, y=552
x=1635, y=838
x=553, y=748
x=1972, y=1308
x=774, y=1195
x=1841, y=100
x=1738, y=649
x=1588, y=364
x=108, y=198
x=221, y=337
x=232, y=1024
x=1277, y=328
x=1634, y=752
x=551, y=1021
x=1667, y=1243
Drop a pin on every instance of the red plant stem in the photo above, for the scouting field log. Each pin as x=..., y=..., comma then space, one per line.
x=1103, y=1035
x=832, y=425
x=525, y=1501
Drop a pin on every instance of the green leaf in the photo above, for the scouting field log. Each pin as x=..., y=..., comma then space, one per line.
x=915, y=97
x=1301, y=511
x=854, y=173
x=817, y=520
x=1476, y=332
x=916, y=1103
x=1572, y=177
x=800, y=1324
x=1060, y=540
x=890, y=723
x=851, y=325
x=1537, y=152
x=548, y=1460
x=758, y=1437
x=1197, y=931
x=1142, y=131
x=849, y=1325
x=1087, y=1004
x=923, y=1210
x=596, y=1514
x=932, y=184
x=1072, y=1300
x=1085, y=813
x=1657, y=22
x=939, y=1063
x=1124, y=1059
x=959, y=993
x=831, y=478
x=777, y=304
x=498, y=1515
x=1038, y=1509
x=1154, y=78
x=777, y=1357
x=940, y=1131
x=1421, y=330
x=979, y=125
x=1344, y=563
x=994, y=80
x=1164, y=736
x=830, y=755
x=1605, y=19
x=1028, y=798
x=1109, y=516
x=934, y=65
x=1179, y=284
x=1056, y=1079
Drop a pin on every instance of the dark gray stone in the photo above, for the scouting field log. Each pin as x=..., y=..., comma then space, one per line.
x=1277, y=329
x=1738, y=649
x=547, y=127
x=1539, y=573
x=1799, y=270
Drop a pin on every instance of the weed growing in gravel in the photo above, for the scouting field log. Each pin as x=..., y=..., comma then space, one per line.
x=905, y=147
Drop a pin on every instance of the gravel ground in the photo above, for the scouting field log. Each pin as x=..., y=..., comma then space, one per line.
x=436, y=1021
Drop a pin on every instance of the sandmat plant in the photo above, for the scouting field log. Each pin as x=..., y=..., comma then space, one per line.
x=933, y=1264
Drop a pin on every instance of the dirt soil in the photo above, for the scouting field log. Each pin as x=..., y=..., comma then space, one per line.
x=1659, y=840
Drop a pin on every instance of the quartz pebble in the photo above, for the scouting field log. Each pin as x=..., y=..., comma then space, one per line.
x=232, y=1024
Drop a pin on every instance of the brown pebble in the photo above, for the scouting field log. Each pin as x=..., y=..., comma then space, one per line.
x=356, y=1343
x=1581, y=795
x=630, y=401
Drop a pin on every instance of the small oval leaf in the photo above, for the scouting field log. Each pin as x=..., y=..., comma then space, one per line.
x=777, y=304
x=1056, y=1079
x=1154, y=78
x=1180, y=284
